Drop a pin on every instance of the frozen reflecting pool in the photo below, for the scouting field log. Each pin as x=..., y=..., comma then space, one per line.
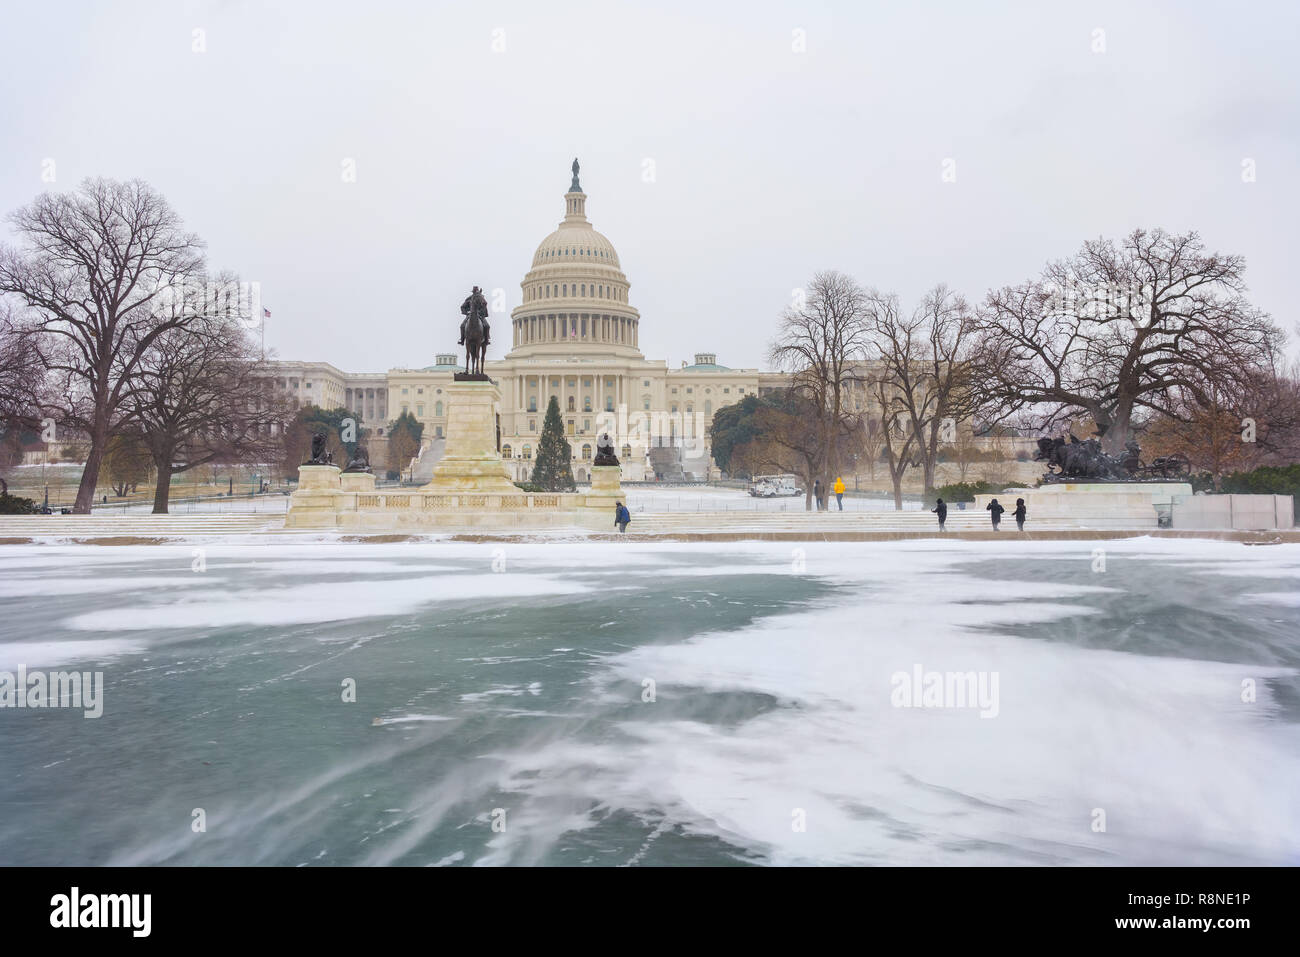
x=624, y=703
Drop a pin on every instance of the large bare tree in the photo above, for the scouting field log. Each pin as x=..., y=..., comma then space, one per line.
x=1117, y=328
x=91, y=270
x=820, y=342
x=201, y=397
x=924, y=359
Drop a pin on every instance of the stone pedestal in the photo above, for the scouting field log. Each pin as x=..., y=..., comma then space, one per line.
x=357, y=481
x=317, y=500
x=1091, y=504
x=597, y=508
x=470, y=461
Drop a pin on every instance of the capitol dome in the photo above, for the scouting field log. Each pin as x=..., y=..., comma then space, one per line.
x=575, y=296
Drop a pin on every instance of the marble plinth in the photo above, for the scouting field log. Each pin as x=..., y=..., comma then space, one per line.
x=357, y=481
x=315, y=503
x=470, y=461
x=597, y=509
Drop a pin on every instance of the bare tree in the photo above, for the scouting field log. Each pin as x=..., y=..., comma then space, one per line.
x=900, y=439
x=1221, y=431
x=820, y=342
x=925, y=358
x=1115, y=329
x=93, y=268
x=202, y=398
x=21, y=384
x=872, y=443
x=786, y=443
x=965, y=453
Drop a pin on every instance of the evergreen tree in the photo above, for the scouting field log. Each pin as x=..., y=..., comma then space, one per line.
x=553, y=471
x=404, y=435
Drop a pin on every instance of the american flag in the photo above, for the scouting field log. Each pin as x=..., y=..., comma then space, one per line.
x=266, y=313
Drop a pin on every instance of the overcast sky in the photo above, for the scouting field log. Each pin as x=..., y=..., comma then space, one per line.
x=768, y=163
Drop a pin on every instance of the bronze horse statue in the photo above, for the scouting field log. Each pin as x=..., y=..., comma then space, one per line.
x=1083, y=460
x=475, y=332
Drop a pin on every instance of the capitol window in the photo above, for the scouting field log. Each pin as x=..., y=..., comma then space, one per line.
x=528, y=451
x=586, y=451
x=532, y=427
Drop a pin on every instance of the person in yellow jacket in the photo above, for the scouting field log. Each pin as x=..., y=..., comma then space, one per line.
x=839, y=492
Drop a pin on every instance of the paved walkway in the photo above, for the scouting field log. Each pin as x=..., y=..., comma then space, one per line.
x=679, y=527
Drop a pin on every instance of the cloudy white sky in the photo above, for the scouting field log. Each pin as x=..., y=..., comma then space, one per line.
x=768, y=163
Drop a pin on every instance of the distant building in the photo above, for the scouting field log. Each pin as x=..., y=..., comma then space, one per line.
x=575, y=336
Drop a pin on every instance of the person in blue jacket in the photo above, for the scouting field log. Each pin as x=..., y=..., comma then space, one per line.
x=621, y=516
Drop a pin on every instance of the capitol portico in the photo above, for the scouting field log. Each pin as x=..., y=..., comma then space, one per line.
x=574, y=336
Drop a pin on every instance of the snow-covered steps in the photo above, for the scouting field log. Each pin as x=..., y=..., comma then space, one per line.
x=144, y=526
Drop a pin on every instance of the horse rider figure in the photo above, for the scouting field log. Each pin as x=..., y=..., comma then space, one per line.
x=475, y=302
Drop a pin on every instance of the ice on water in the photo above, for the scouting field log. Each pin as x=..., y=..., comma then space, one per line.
x=769, y=735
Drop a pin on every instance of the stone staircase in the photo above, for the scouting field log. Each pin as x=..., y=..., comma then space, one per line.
x=427, y=460
x=143, y=525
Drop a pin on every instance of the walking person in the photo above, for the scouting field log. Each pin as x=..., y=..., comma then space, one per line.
x=817, y=494
x=621, y=517
x=941, y=510
x=995, y=513
x=839, y=492
x=1020, y=514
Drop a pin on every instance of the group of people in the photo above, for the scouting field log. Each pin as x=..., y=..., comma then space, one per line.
x=819, y=494
x=995, y=510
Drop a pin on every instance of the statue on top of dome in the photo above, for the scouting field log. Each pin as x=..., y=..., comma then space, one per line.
x=574, y=187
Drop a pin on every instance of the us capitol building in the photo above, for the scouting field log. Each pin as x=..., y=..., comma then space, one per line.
x=576, y=337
